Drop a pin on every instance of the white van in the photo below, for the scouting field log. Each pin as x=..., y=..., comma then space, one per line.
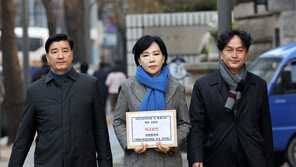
x=37, y=37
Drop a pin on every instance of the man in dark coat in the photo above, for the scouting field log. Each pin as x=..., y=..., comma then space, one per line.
x=42, y=71
x=101, y=76
x=65, y=109
x=229, y=112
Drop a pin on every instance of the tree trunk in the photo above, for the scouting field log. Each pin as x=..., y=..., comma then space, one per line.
x=101, y=5
x=13, y=83
x=51, y=22
x=74, y=25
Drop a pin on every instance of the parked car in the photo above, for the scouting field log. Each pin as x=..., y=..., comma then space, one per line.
x=278, y=68
x=37, y=37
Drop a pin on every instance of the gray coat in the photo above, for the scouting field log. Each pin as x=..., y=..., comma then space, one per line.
x=131, y=94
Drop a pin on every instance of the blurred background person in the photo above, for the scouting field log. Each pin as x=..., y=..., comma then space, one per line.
x=83, y=67
x=113, y=81
x=101, y=76
x=42, y=71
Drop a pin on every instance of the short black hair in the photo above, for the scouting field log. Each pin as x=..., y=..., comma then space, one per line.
x=144, y=43
x=56, y=38
x=43, y=58
x=226, y=36
x=102, y=65
x=84, y=67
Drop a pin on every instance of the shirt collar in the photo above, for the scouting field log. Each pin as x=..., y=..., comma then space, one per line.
x=72, y=74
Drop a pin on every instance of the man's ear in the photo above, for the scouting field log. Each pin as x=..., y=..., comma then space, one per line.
x=220, y=53
x=72, y=54
x=46, y=55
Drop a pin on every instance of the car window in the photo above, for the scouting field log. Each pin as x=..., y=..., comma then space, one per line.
x=286, y=83
x=35, y=43
x=265, y=67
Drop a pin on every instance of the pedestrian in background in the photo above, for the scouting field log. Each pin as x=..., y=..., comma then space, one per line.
x=83, y=67
x=42, y=71
x=113, y=81
x=65, y=109
x=151, y=89
x=101, y=76
x=229, y=112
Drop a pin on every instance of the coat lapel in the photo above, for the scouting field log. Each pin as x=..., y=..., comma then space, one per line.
x=171, y=90
x=223, y=89
x=249, y=82
x=218, y=82
x=138, y=89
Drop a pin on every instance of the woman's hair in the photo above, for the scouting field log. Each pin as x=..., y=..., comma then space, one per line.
x=144, y=43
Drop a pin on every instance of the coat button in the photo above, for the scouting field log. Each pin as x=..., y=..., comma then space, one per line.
x=233, y=147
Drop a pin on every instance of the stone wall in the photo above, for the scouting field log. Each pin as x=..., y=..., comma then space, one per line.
x=287, y=17
x=260, y=25
x=281, y=5
x=288, y=27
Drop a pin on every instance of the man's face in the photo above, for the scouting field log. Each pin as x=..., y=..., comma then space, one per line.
x=234, y=54
x=60, y=56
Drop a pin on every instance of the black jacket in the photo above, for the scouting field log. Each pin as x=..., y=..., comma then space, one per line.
x=216, y=133
x=71, y=126
x=41, y=72
x=101, y=75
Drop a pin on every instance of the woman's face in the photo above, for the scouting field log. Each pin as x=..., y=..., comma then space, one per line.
x=152, y=59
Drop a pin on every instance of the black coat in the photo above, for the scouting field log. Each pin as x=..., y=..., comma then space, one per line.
x=217, y=134
x=101, y=75
x=71, y=126
x=41, y=72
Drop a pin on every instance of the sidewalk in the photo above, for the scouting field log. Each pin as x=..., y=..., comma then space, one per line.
x=117, y=152
x=6, y=150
